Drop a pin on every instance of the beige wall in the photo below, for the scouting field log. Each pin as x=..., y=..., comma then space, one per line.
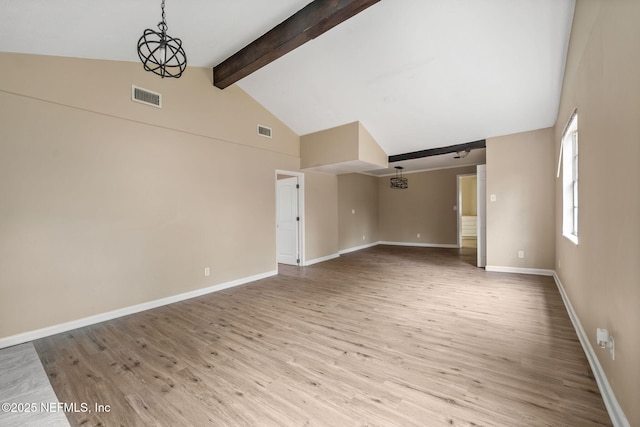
x=321, y=215
x=368, y=149
x=190, y=104
x=469, y=193
x=343, y=149
x=335, y=145
x=425, y=208
x=358, y=210
x=520, y=174
x=106, y=203
x=602, y=273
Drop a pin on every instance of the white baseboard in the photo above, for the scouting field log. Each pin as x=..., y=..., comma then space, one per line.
x=519, y=270
x=358, y=248
x=322, y=259
x=613, y=407
x=420, y=245
x=102, y=317
x=370, y=245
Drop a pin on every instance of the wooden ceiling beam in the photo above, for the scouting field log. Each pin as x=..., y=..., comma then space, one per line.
x=438, y=151
x=314, y=19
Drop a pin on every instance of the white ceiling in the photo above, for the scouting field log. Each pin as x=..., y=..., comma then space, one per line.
x=418, y=74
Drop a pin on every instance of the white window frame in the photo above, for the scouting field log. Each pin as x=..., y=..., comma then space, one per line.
x=570, y=179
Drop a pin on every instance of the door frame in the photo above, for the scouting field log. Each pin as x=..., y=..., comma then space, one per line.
x=481, y=171
x=301, y=227
x=459, y=208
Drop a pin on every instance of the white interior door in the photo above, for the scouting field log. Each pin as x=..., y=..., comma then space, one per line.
x=481, y=171
x=287, y=221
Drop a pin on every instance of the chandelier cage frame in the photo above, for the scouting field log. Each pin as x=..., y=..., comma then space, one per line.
x=398, y=181
x=160, y=53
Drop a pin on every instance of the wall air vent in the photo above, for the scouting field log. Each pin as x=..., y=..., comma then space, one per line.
x=145, y=96
x=264, y=131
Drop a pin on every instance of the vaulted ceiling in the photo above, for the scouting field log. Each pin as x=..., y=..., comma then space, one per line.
x=418, y=74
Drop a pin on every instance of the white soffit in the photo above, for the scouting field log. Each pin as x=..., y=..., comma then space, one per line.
x=350, y=166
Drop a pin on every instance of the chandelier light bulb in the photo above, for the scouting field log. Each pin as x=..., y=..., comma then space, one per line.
x=162, y=54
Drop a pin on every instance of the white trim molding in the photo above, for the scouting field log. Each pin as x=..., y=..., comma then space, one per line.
x=102, y=317
x=519, y=270
x=358, y=248
x=618, y=418
x=322, y=259
x=420, y=245
x=370, y=245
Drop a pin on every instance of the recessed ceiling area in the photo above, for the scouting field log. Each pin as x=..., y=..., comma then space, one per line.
x=442, y=161
x=417, y=74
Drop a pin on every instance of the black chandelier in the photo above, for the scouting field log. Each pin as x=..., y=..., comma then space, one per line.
x=160, y=53
x=398, y=181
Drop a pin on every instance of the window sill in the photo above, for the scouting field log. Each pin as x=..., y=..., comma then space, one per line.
x=573, y=238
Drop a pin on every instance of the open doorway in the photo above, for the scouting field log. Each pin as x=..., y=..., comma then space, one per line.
x=468, y=211
x=289, y=218
x=468, y=218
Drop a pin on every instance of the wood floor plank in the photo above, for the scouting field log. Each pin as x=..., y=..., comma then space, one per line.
x=384, y=336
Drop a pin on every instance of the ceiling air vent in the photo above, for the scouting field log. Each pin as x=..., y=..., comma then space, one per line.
x=145, y=96
x=264, y=131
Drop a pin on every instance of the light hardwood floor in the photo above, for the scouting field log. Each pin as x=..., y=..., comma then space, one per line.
x=390, y=335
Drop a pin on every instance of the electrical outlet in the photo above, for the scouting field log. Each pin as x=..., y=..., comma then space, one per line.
x=493, y=198
x=353, y=211
x=605, y=340
x=520, y=254
x=363, y=237
x=207, y=271
x=418, y=235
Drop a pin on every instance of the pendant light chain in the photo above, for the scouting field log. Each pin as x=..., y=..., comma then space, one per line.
x=163, y=24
